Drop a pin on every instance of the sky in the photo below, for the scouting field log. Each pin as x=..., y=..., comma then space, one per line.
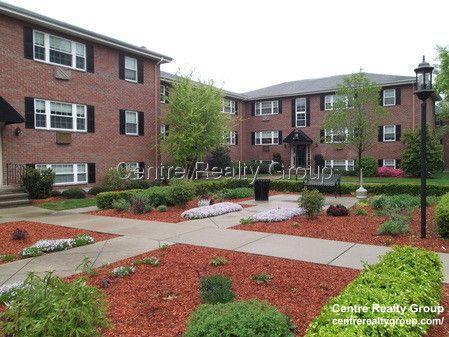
x=247, y=44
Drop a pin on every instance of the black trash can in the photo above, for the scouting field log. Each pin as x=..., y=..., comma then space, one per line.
x=261, y=189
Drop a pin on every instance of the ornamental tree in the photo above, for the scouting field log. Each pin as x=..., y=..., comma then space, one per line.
x=197, y=124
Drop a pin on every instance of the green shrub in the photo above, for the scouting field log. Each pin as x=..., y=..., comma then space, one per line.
x=73, y=193
x=442, y=216
x=398, y=224
x=121, y=205
x=395, y=202
x=97, y=189
x=220, y=157
x=312, y=202
x=38, y=183
x=51, y=307
x=181, y=192
x=246, y=221
x=360, y=211
x=140, y=203
x=235, y=193
x=152, y=261
x=216, y=289
x=239, y=319
x=369, y=166
x=7, y=257
x=55, y=193
x=82, y=240
x=113, y=180
x=218, y=261
x=105, y=199
x=31, y=252
x=261, y=278
x=404, y=276
x=123, y=271
x=162, y=208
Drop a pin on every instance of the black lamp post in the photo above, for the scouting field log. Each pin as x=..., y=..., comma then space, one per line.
x=423, y=91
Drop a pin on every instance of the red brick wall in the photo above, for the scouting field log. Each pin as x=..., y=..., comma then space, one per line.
x=20, y=78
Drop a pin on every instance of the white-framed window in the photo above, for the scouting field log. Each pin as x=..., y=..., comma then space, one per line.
x=389, y=97
x=267, y=108
x=231, y=138
x=57, y=50
x=229, y=106
x=336, y=136
x=132, y=169
x=164, y=131
x=267, y=138
x=130, y=69
x=389, y=133
x=330, y=100
x=67, y=174
x=52, y=115
x=300, y=109
x=389, y=163
x=340, y=164
x=131, y=123
x=163, y=93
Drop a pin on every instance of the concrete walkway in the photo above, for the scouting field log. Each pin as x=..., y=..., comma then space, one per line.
x=137, y=237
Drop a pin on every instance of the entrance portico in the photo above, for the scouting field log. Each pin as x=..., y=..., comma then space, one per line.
x=299, y=148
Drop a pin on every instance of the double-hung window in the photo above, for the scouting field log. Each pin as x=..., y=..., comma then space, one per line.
x=131, y=123
x=267, y=138
x=389, y=133
x=228, y=106
x=67, y=174
x=389, y=163
x=300, y=109
x=231, y=138
x=329, y=102
x=132, y=170
x=52, y=115
x=336, y=136
x=163, y=93
x=267, y=108
x=340, y=164
x=130, y=69
x=389, y=97
x=164, y=131
x=60, y=51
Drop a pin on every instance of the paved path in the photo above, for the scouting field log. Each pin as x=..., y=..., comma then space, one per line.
x=137, y=236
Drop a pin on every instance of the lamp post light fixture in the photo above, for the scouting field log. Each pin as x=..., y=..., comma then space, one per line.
x=423, y=90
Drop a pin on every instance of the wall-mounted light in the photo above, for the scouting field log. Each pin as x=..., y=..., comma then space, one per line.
x=18, y=131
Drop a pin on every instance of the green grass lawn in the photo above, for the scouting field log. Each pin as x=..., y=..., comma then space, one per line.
x=69, y=204
x=441, y=178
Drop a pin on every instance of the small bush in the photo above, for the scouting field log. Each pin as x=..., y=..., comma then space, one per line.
x=181, y=192
x=55, y=193
x=121, y=205
x=49, y=306
x=390, y=172
x=398, y=224
x=218, y=261
x=337, y=210
x=360, y=211
x=239, y=319
x=216, y=289
x=97, y=189
x=19, y=234
x=31, y=252
x=7, y=257
x=369, y=166
x=152, y=261
x=73, y=193
x=312, y=202
x=123, y=271
x=38, y=183
x=82, y=240
x=261, y=278
x=295, y=224
x=395, y=202
x=140, y=204
x=235, y=193
x=162, y=208
x=442, y=216
x=246, y=221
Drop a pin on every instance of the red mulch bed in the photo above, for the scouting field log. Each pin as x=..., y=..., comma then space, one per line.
x=39, y=231
x=355, y=228
x=173, y=213
x=156, y=301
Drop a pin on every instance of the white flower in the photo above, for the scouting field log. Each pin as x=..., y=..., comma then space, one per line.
x=277, y=214
x=48, y=246
x=9, y=288
x=123, y=271
x=212, y=210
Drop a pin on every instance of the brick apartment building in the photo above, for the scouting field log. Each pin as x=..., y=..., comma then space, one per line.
x=81, y=103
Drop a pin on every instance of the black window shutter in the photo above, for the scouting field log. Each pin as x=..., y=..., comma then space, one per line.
x=30, y=165
x=398, y=132
x=139, y=70
x=122, y=122
x=141, y=123
x=142, y=169
x=236, y=105
x=308, y=111
x=398, y=163
x=322, y=135
x=280, y=136
x=381, y=98
x=322, y=102
x=90, y=118
x=90, y=58
x=253, y=138
x=398, y=96
x=91, y=173
x=280, y=106
x=380, y=135
x=380, y=162
x=121, y=66
x=167, y=127
x=253, y=108
x=29, y=112
x=293, y=112
x=28, y=42
x=236, y=138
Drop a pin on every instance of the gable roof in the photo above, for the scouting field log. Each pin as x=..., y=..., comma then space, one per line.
x=8, y=114
x=321, y=85
x=45, y=21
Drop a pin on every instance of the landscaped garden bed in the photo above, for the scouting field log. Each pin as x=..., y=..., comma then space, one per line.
x=19, y=235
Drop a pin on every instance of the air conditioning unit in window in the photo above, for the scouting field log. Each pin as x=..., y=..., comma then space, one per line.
x=265, y=119
x=62, y=73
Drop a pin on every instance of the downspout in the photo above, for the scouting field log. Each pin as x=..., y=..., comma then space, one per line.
x=413, y=109
x=157, y=102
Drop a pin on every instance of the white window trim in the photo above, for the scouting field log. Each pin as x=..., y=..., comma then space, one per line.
x=331, y=134
x=136, y=70
x=163, y=92
x=137, y=123
x=385, y=160
x=383, y=97
x=258, y=108
x=136, y=170
x=274, y=138
x=332, y=99
x=75, y=173
x=232, y=104
x=47, y=51
x=300, y=112
x=383, y=134
x=48, y=116
x=347, y=163
x=232, y=137
x=163, y=132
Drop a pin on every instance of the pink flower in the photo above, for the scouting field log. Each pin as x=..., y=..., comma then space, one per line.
x=390, y=172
